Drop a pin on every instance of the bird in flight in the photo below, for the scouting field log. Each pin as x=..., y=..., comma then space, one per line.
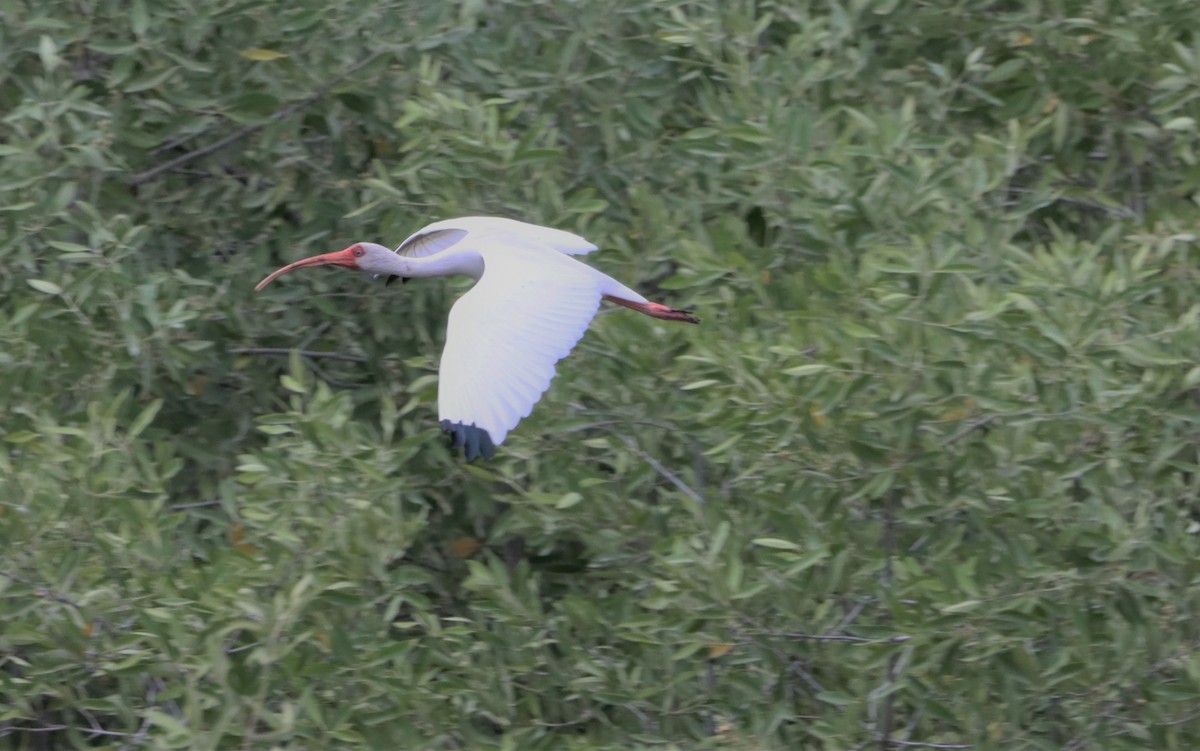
x=530, y=304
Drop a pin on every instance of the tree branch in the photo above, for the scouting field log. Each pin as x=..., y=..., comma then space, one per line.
x=839, y=637
x=195, y=504
x=321, y=92
x=285, y=351
x=666, y=473
x=58, y=728
x=42, y=591
x=896, y=662
x=969, y=428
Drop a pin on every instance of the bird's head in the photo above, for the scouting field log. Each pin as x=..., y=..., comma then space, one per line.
x=368, y=257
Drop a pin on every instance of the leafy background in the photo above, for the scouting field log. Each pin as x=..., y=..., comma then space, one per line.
x=926, y=476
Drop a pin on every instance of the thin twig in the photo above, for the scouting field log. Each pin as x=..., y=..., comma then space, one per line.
x=312, y=335
x=710, y=684
x=152, y=689
x=178, y=141
x=970, y=427
x=895, y=662
x=798, y=668
x=1120, y=211
x=335, y=382
x=1139, y=203
x=315, y=354
x=850, y=618
x=197, y=504
x=837, y=637
x=59, y=728
x=43, y=591
x=243, y=648
x=912, y=724
x=666, y=473
x=240, y=133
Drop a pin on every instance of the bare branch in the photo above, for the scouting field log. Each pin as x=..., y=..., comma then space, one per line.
x=58, y=728
x=178, y=141
x=197, y=504
x=320, y=93
x=850, y=618
x=42, y=591
x=970, y=427
x=797, y=668
x=837, y=637
x=897, y=660
x=284, y=351
x=312, y=335
x=710, y=684
x=666, y=473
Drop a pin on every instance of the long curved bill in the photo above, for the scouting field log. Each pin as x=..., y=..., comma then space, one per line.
x=340, y=258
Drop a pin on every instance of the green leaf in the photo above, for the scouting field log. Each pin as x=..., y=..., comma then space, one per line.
x=1005, y=70
x=807, y=370
x=749, y=134
x=150, y=79
x=254, y=107
x=1192, y=377
x=856, y=330
x=775, y=543
x=144, y=418
x=836, y=698
x=589, y=206
x=48, y=52
x=259, y=54
x=67, y=247
x=1180, y=124
x=965, y=606
x=568, y=500
x=292, y=384
x=41, y=285
x=139, y=18
x=172, y=727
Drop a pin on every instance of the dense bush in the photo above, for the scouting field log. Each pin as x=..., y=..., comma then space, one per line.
x=926, y=474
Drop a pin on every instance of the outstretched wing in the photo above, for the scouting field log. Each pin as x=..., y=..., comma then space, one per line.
x=429, y=241
x=425, y=242
x=502, y=342
x=438, y=236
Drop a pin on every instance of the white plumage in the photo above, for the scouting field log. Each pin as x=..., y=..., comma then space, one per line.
x=492, y=374
x=530, y=305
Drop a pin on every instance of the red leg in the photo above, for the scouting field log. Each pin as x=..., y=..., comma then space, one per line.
x=654, y=310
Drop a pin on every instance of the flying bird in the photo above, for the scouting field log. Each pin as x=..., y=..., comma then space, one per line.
x=531, y=303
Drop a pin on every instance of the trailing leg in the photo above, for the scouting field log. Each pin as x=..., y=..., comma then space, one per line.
x=654, y=310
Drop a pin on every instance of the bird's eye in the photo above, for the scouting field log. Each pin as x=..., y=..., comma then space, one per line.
x=358, y=252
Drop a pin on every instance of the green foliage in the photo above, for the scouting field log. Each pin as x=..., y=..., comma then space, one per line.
x=926, y=474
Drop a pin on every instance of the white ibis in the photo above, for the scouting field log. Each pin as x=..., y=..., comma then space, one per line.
x=531, y=304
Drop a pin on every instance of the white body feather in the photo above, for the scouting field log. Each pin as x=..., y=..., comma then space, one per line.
x=531, y=304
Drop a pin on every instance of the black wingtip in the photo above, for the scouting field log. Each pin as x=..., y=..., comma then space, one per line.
x=473, y=441
x=393, y=277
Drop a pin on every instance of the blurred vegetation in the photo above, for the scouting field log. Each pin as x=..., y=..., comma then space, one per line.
x=928, y=473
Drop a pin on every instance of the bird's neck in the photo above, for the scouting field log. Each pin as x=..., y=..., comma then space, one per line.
x=446, y=263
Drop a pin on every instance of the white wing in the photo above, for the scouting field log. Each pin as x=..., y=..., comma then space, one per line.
x=427, y=242
x=504, y=337
x=441, y=235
